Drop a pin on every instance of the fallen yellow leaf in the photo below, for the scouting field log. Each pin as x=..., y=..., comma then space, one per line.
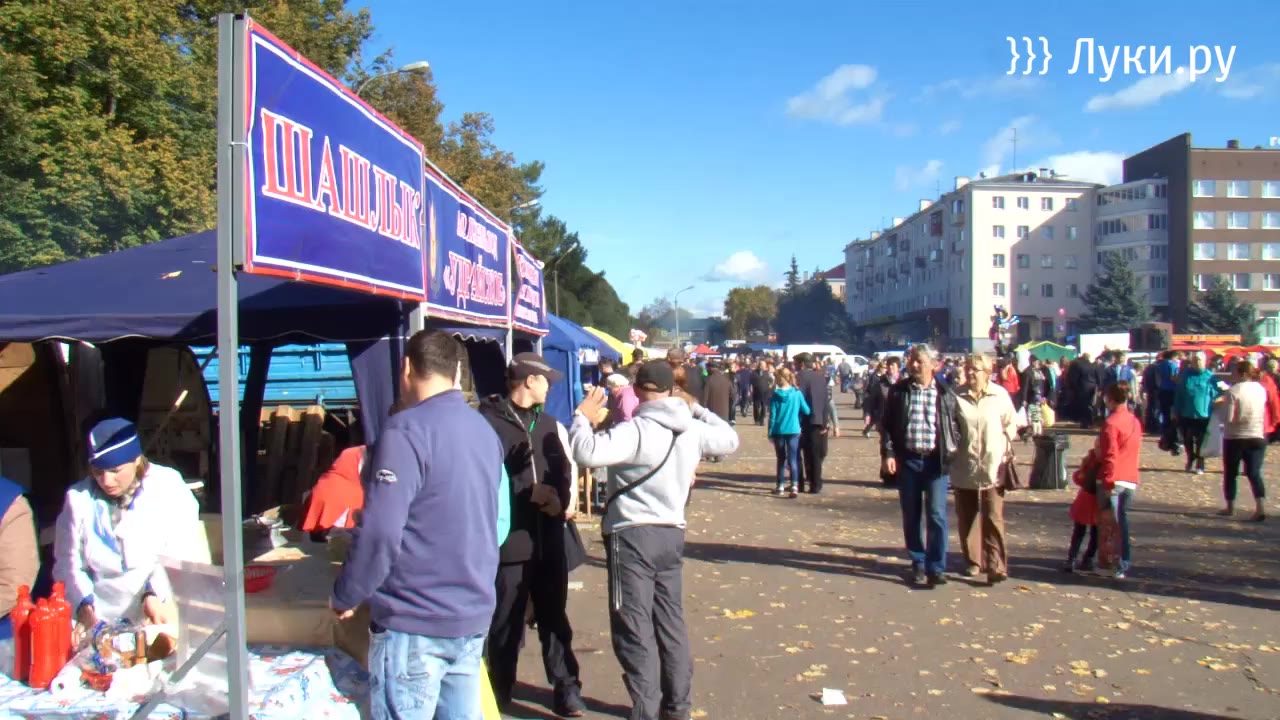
x=738, y=614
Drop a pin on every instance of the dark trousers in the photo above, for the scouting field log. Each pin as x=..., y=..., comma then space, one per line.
x=646, y=620
x=1085, y=407
x=813, y=451
x=548, y=587
x=1250, y=451
x=1077, y=538
x=760, y=405
x=744, y=397
x=1165, y=400
x=1193, y=433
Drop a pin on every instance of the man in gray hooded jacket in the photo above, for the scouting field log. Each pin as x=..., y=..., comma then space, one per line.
x=652, y=459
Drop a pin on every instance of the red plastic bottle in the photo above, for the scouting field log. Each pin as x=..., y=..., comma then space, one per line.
x=62, y=609
x=21, y=619
x=45, y=658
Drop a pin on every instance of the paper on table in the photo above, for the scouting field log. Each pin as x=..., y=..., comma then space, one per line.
x=833, y=697
x=67, y=680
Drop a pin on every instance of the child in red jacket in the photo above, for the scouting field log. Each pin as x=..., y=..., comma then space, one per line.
x=1084, y=515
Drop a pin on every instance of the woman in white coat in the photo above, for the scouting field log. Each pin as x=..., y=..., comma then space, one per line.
x=116, y=525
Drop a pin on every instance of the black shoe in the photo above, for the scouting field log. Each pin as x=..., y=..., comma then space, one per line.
x=1070, y=567
x=568, y=703
x=918, y=577
x=936, y=579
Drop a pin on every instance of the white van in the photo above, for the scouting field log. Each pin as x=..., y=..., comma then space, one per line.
x=819, y=352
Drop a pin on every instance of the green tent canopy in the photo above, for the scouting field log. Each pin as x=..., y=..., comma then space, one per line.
x=1050, y=351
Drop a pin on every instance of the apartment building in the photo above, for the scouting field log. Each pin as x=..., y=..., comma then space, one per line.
x=1022, y=241
x=835, y=279
x=1223, y=207
x=1132, y=220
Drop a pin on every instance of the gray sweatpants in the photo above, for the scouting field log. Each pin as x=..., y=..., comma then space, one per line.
x=646, y=617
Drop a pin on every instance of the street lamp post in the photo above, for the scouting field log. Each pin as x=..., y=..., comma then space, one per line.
x=555, y=274
x=677, y=305
x=419, y=66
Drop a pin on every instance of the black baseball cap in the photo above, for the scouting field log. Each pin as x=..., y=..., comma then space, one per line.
x=656, y=376
x=526, y=365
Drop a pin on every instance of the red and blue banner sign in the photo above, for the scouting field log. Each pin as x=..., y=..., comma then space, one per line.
x=529, y=310
x=334, y=191
x=468, y=257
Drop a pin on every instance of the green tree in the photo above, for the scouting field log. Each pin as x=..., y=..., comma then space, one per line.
x=750, y=310
x=1113, y=301
x=813, y=315
x=1218, y=310
x=793, y=277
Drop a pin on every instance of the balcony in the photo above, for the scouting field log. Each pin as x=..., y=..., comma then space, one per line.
x=958, y=218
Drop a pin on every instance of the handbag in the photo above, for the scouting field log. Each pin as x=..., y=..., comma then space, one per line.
x=1009, y=478
x=1048, y=417
x=575, y=550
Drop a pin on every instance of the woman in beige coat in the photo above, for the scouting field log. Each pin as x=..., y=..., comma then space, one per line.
x=987, y=428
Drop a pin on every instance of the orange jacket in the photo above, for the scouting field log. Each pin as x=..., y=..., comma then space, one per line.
x=1119, y=446
x=338, y=491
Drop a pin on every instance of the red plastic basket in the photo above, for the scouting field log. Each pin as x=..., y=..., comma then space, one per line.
x=258, y=577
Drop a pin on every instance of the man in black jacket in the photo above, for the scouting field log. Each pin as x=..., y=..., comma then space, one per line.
x=813, y=427
x=919, y=431
x=761, y=392
x=534, y=561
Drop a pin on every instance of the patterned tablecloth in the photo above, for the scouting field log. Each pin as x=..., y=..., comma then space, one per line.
x=287, y=683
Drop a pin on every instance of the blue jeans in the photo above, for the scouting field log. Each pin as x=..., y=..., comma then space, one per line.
x=414, y=677
x=1121, y=499
x=922, y=492
x=787, y=448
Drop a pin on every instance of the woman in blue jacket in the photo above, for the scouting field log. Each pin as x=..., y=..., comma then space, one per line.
x=787, y=406
x=1193, y=406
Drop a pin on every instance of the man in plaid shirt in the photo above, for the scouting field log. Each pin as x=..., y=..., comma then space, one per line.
x=919, y=432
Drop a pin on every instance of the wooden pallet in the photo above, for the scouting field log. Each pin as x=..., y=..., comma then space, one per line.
x=293, y=450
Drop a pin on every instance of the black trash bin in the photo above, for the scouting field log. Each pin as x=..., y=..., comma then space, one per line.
x=1049, y=469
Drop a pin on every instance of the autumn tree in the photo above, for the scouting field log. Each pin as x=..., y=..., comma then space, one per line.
x=749, y=310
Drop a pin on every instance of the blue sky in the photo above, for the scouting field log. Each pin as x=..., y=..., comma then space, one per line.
x=697, y=143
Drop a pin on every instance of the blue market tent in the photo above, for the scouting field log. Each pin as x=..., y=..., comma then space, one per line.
x=570, y=349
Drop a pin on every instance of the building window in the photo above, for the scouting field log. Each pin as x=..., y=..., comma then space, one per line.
x=1046, y=203
x=1238, y=188
x=1046, y=232
x=1271, y=221
x=1046, y=261
x=1200, y=282
x=1271, y=281
x=1204, y=251
x=1046, y=290
x=1270, y=325
x=1158, y=252
x=1204, y=220
x=1024, y=230
x=997, y=202
x=997, y=289
x=1024, y=289
x=1159, y=282
x=1024, y=261
x=1238, y=251
x=1024, y=203
x=1271, y=189
x=1072, y=232
x=1071, y=262
x=1238, y=220
x=1073, y=290
x=1073, y=204
x=997, y=260
x=1046, y=329
x=1204, y=188
x=997, y=231
x=1240, y=281
x=1158, y=221
x=1271, y=251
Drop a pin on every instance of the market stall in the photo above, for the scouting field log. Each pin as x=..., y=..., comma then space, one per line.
x=570, y=349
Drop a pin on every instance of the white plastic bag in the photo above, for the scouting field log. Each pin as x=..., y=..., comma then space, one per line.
x=1020, y=418
x=1212, y=446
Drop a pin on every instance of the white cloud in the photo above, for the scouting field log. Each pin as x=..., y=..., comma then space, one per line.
x=703, y=307
x=833, y=99
x=972, y=88
x=742, y=266
x=1252, y=83
x=949, y=127
x=907, y=177
x=1029, y=133
x=1147, y=91
x=1094, y=166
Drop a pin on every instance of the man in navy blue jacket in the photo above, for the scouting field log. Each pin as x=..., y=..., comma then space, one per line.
x=426, y=552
